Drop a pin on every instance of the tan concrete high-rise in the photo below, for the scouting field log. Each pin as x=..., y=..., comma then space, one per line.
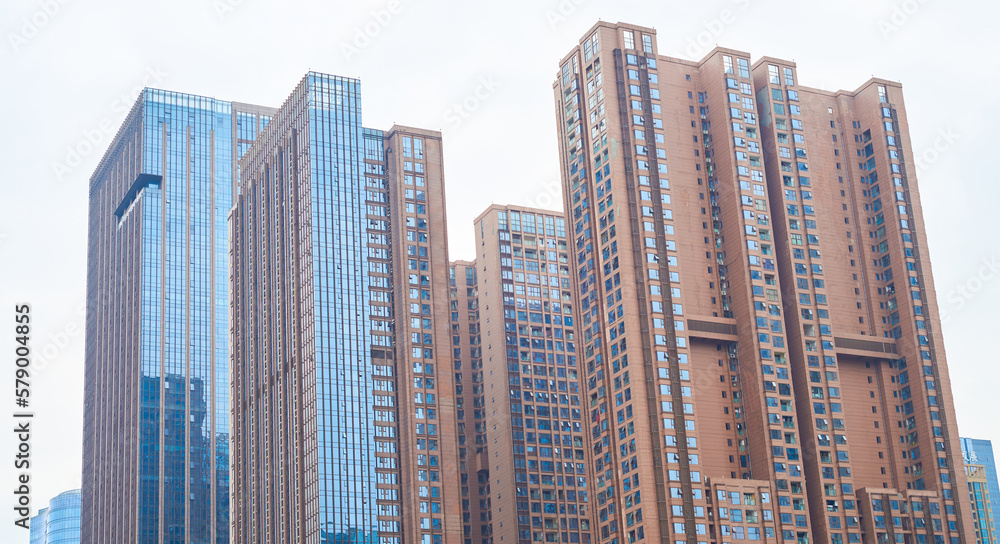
x=759, y=332
x=467, y=353
x=343, y=395
x=539, y=481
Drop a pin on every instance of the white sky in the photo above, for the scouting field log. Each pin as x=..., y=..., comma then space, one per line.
x=78, y=69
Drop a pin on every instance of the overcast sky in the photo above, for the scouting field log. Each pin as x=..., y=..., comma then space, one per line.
x=482, y=73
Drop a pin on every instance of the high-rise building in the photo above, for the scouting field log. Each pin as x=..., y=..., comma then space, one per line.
x=471, y=414
x=156, y=411
x=538, y=474
x=37, y=527
x=982, y=509
x=344, y=408
x=757, y=310
x=59, y=522
x=983, y=488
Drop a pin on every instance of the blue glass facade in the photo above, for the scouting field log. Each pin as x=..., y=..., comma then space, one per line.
x=60, y=522
x=344, y=372
x=303, y=376
x=38, y=526
x=184, y=312
x=980, y=452
x=158, y=323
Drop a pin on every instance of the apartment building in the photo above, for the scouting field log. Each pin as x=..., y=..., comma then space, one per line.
x=539, y=481
x=756, y=296
x=471, y=414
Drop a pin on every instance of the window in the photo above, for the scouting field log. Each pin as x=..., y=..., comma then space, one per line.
x=772, y=73
x=744, y=66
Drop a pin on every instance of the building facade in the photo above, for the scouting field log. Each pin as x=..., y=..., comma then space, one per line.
x=344, y=414
x=470, y=408
x=750, y=257
x=982, y=508
x=156, y=412
x=731, y=335
x=59, y=522
x=538, y=474
x=980, y=453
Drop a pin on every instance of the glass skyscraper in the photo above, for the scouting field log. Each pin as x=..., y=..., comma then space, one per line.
x=342, y=423
x=59, y=523
x=316, y=371
x=980, y=452
x=344, y=418
x=344, y=386
x=156, y=415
